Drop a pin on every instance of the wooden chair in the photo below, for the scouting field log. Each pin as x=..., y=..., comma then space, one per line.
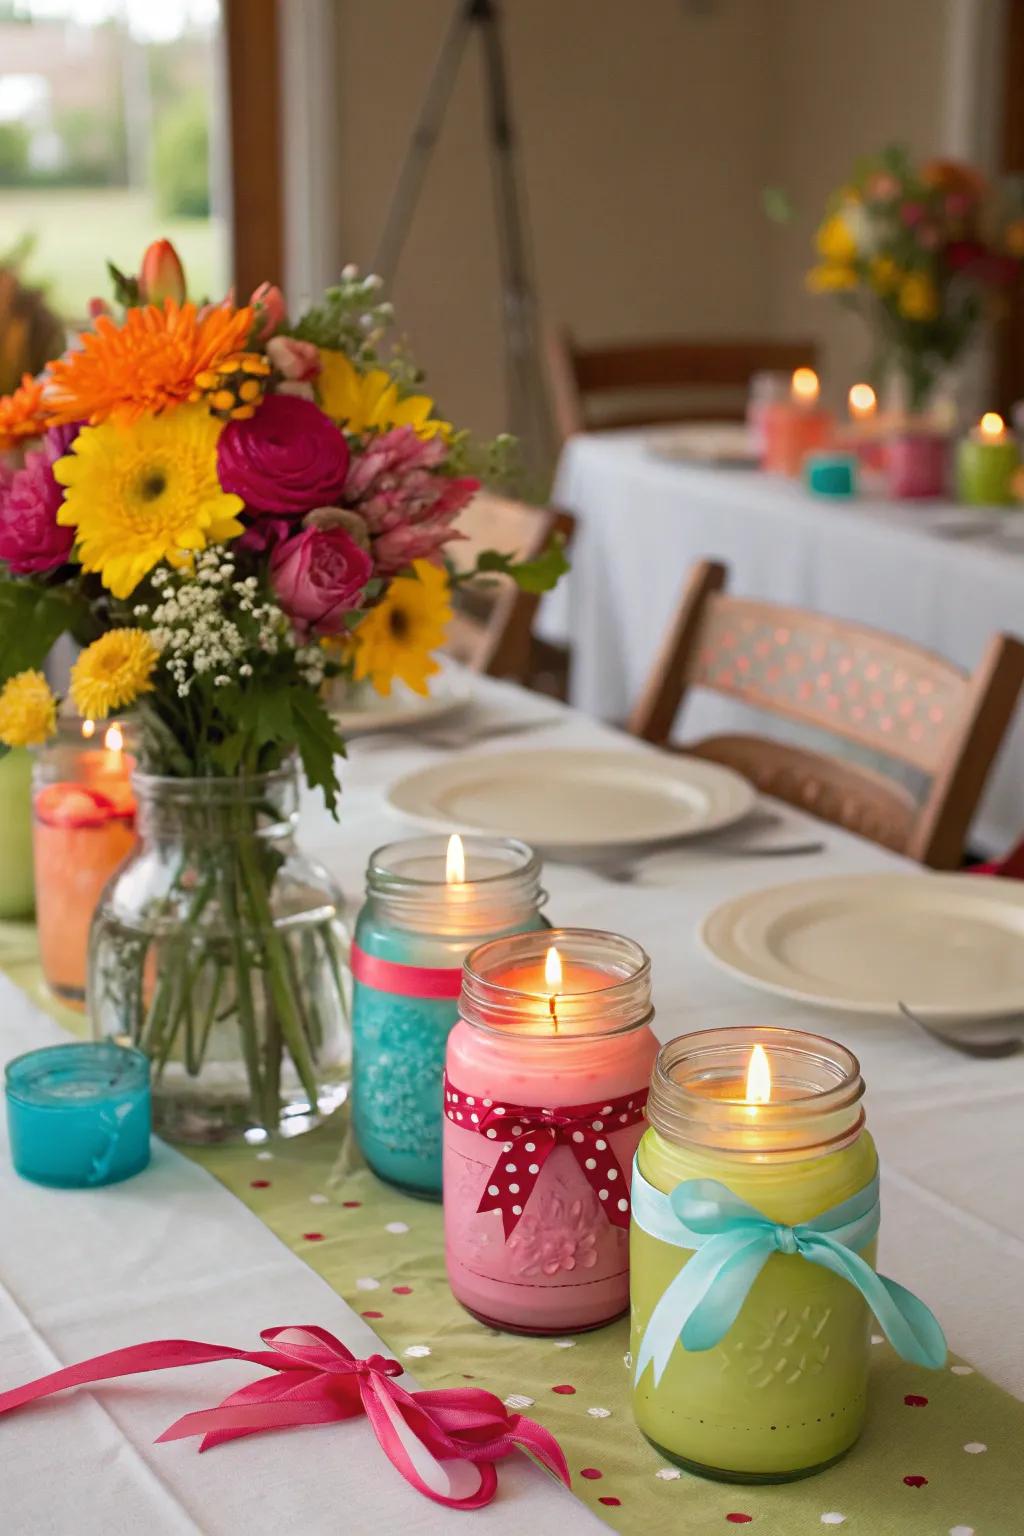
x=890, y=697
x=492, y=627
x=590, y=384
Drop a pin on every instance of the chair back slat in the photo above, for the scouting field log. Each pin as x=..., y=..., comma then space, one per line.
x=857, y=683
x=643, y=383
x=893, y=699
x=492, y=628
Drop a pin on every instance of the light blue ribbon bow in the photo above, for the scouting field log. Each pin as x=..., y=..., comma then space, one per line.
x=731, y=1242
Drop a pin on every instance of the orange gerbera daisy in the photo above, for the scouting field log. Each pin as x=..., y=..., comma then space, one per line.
x=148, y=363
x=22, y=413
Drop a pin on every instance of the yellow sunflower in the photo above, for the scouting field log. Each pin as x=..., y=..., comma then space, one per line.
x=397, y=637
x=832, y=277
x=145, y=492
x=918, y=297
x=836, y=241
x=28, y=710
x=112, y=672
x=369, y=402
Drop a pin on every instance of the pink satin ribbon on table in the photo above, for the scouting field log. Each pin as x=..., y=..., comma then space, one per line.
x=319, y=1381
x=405, y=980
x=531, y=1135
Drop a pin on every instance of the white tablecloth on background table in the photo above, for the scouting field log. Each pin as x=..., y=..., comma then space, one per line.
x=172, y=1253
x=644, y=521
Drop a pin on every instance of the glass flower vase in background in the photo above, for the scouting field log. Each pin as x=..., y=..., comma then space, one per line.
x=215, y=950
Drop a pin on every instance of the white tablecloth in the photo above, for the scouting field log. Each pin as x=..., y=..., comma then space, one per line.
x=171, y=1253
x=644, y=521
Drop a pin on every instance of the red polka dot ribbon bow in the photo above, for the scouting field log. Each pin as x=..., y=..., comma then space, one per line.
x=525, y=1138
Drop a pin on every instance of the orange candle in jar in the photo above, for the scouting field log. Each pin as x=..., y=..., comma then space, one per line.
x=83, y=827
x=795, y=427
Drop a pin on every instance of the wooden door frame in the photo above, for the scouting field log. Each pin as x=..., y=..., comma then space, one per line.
x=255, y=157
x=1009, y=359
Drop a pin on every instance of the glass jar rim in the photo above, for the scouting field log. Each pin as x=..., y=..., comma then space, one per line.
x=618, y=1008
x=424, y=905
x=32, y=1068
x=820, y=1110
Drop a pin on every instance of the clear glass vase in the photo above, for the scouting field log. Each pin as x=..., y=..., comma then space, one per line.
x=216, y=950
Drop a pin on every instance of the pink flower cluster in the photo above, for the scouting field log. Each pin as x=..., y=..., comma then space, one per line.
x=334, y=516
x=31, y=540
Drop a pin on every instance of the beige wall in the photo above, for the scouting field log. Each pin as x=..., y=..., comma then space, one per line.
x=648, y=130
x=851, y=77
x=642, y=129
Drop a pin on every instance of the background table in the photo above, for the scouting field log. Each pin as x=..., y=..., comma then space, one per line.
x=171, y=1253
x=644, y=521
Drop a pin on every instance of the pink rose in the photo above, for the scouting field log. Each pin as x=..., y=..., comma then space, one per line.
x=31, y=540
x=298, y=360
x=289, y=457
x=318, y=577
x=268, y=302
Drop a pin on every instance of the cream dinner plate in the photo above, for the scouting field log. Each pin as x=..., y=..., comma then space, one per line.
x=403, y=710
x=949, y=946
x=561, y=801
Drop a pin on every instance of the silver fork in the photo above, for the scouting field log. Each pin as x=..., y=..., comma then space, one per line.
x=982, y=1050
x=631, y=873
x=454, y=737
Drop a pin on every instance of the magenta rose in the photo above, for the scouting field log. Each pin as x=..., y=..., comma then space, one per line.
x=289, y=457
x=318, y=577
x=31, y=540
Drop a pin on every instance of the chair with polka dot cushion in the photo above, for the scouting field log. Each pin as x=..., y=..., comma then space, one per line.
x=894, y=711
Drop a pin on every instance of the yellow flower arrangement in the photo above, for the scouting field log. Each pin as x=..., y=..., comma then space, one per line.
x=884, y=274
x=835, y=241
x=396, y=638
x=370, y=402
x=112, y=672
x=28, y=710
x=146, y=492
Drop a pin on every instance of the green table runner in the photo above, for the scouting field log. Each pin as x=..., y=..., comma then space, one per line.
x=940, y=1456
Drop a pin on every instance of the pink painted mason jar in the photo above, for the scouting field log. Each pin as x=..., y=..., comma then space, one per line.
x=546, y=1080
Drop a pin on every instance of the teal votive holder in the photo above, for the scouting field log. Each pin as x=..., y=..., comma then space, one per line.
x=831, y=474
x=78, y=1115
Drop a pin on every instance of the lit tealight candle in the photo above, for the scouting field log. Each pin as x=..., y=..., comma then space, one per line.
x=805, y=387
x=986, y=462
x=759, y=1077
x=792, y=428
x=862, y=403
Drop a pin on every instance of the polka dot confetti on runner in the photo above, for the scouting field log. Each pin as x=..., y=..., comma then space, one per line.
x=318, y=1199
x=913, y=1401
x=417, y=1351
x=833, y=1518
x=916, y=1481
x=367, y=1283
x=397, y=1227
x=590, y=1472
x=600, y=1413
x=975, y=1447
x=402, y=1290
x=565, y=1390
x=612, y=1502
x=737, y=1519
x=518, y=1401
x=259, y=1183
x=313, y=1237
x=668, y=1474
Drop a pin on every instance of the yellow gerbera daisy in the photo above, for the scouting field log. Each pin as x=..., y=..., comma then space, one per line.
x=369, y=402
x=145, y=492
x=885, y=274
x=28, y=710
x=112, y=672
x=397, y=637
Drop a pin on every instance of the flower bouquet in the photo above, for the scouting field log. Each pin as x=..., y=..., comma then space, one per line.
x=920, y=252
x=227, y=511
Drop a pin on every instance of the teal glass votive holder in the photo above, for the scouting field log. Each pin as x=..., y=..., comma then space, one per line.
x=78, y=1116
x=831, y=474
x=415, y=930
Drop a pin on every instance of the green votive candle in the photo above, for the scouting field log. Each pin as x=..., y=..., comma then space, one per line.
x=985, y=464
x=17, y=897
x=783, y=1393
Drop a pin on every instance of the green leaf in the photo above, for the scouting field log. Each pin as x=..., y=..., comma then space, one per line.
x=31, y=619
x=777, y=204
x=319, y=744
x=126, y=288
x=538, y=575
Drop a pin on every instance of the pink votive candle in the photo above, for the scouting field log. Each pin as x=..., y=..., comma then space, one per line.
x=546, y=1081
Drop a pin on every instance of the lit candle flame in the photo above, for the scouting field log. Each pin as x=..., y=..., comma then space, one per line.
x=88, y=729
x=455, y=861
x=553, y=970
x=114, y=738
x=759, y=1077
x=992, y=425
x=805, y=386
x=862, y=401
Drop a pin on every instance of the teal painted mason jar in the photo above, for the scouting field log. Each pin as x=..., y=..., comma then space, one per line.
x=429, y=901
